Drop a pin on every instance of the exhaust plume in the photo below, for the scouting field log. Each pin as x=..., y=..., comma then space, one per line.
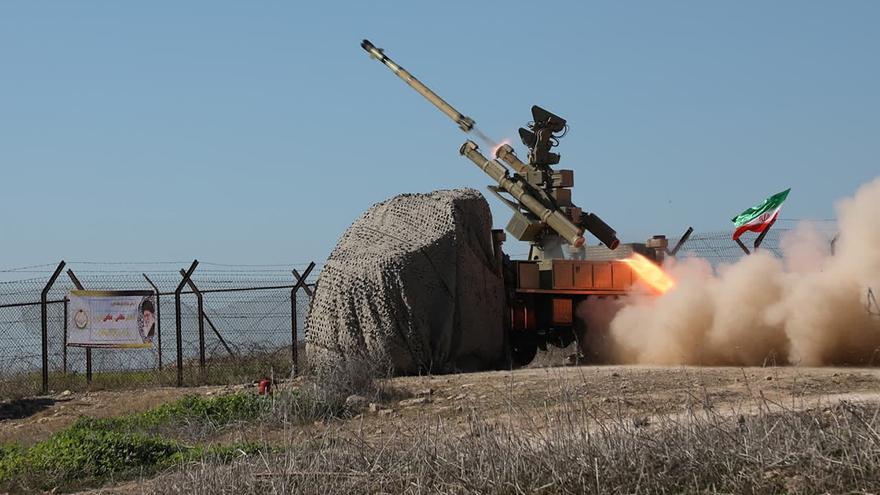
x=807, y=308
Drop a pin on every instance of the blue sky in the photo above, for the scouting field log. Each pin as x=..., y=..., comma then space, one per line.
x=245, y=132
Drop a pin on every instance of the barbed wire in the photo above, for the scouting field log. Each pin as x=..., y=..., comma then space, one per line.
x=26, y=268
x=258, y=320
x=713, y=245
x=9, y=276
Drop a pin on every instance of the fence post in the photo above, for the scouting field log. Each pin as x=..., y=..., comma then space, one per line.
x=294, y=353
x=177, y=291
x=743, y=247
x=300, y=283
x=44, y=322
x=79, y=286
x=158, y=320
x=200, y=307
x=64, y=349
x=194, y=288
x=684, y=238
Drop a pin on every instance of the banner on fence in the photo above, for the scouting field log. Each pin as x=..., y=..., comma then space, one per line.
x=113, y=319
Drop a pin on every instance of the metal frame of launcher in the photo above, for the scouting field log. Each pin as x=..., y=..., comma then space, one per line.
x=553, y=189
x=543, y=292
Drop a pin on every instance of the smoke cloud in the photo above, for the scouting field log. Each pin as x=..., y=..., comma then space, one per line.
x=807, y=308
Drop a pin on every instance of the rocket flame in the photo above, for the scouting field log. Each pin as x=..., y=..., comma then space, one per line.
x=649, y=273
x=498, y=146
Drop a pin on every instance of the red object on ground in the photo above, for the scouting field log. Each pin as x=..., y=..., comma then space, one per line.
x=265, y=386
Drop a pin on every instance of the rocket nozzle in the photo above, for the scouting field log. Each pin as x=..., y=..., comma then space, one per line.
x=601, y=230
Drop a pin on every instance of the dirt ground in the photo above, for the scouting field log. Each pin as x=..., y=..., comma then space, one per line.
x=534, y=400
x=643, y=394
x=639, y=392
x=28, y=421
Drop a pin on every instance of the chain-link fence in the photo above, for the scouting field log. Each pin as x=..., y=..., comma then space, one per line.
x=719, y=247
x=249, y=317
x=244, y=331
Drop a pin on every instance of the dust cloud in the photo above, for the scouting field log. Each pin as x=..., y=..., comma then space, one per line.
x=807, y=308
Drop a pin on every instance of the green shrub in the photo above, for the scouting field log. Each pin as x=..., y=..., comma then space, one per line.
x=190, y=411
x=11, y=457
x=86, y=450
x=92, y=450
x=219, y=411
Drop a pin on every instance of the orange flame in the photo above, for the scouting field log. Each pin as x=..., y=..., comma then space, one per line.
x=651, y=274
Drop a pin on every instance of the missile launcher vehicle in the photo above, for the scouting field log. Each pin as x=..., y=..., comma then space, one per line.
x=543, y=291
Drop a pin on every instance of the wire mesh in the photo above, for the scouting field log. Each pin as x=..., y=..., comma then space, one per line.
x=247, y=319
x=719, y=247
x=248, y=330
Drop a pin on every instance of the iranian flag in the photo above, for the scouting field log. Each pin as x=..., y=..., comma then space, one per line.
x=759, y=217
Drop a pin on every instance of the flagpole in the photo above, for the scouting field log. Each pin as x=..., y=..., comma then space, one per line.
x=755, y=219
x=760, y=238
x=743, y=246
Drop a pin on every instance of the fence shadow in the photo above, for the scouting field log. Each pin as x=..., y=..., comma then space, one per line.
x=23, y=408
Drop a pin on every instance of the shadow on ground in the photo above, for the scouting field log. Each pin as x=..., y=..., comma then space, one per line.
x=22, y=408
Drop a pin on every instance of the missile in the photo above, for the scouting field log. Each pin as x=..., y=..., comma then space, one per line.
x=554, y=218
x=464, y=122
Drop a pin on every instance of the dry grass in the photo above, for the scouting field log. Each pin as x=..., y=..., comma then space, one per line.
x=570, y=448
x=325, y=391
x=218, y=371
x=91, y=452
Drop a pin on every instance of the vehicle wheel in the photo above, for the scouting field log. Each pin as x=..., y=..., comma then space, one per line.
x=523, y=351
x=580, y=336
x=562, y=338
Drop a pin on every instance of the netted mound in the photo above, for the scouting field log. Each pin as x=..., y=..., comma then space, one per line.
x=412, y=284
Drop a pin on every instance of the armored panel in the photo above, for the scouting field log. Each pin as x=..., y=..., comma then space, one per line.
x=523, y=228
x=562, y=196
x=562, y=178
x=534, y=177
x=658, y=242
x=562, y=311
x=527, y=275
x=602, y=276
x=622, y=276
x=563, y=274
x=583, y=275
x=602, y=253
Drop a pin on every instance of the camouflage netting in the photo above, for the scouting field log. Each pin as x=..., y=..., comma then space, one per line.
x=412, y=284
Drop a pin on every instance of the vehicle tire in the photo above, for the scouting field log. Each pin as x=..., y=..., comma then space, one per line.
x=522, y=351
x=562, y=338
